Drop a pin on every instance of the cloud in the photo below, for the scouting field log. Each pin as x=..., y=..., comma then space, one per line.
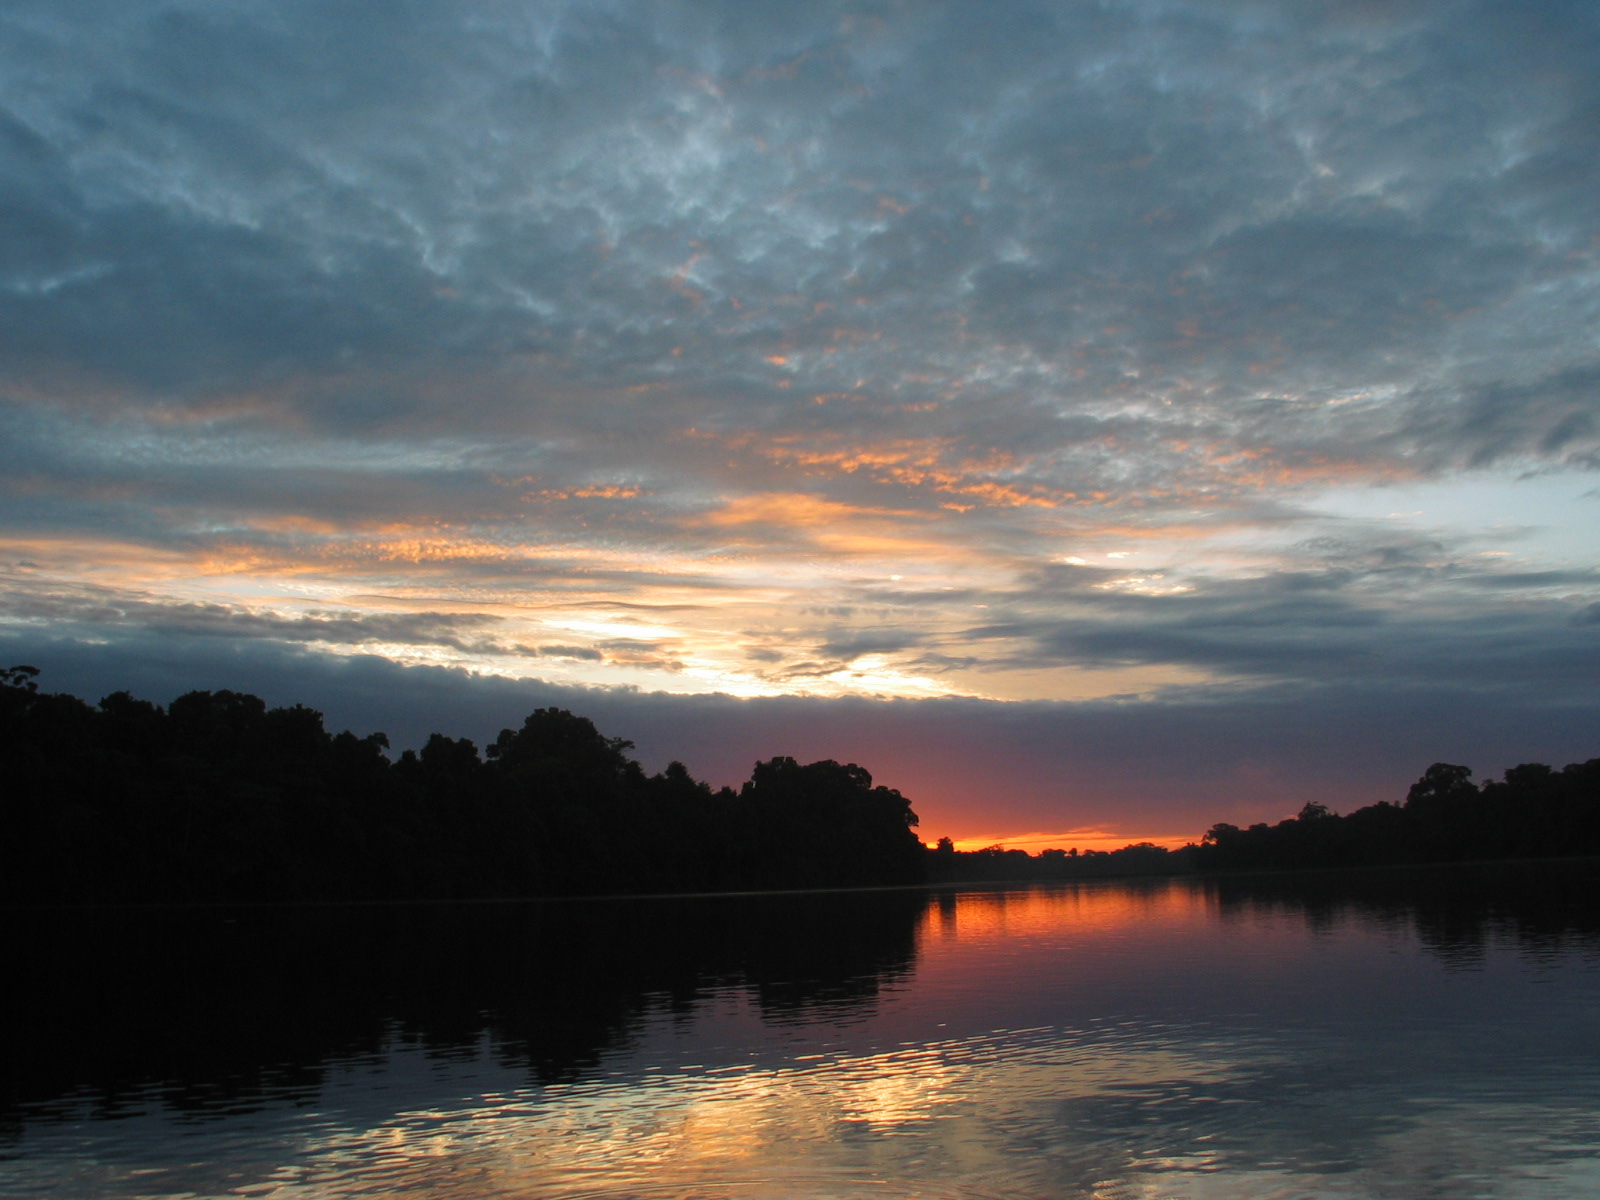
x=1032, y=352
x=106, y=612
x=563, y=183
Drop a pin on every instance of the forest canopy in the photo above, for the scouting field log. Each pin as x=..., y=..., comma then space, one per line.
x=218, y=797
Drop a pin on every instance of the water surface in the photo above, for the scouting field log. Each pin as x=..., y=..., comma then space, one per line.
x=1430, y=1034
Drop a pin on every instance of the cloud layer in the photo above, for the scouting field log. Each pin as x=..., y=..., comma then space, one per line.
x=1004, y=354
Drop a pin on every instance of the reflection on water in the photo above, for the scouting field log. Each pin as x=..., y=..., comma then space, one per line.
x=1428, y=1034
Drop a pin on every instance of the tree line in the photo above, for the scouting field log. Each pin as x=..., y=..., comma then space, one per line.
x=217, y=797
x=991, y=863
x=1533, y=811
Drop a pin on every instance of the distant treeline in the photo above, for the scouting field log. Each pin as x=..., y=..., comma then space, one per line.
x=993, y=863
x=217, y=797
x=1533, y=812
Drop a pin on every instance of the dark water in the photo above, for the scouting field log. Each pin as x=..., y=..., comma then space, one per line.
x=1432, y=1035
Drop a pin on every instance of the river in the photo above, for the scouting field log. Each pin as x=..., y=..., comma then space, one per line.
x=1431, y=1033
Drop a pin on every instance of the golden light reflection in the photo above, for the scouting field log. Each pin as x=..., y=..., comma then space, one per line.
x=914, y=1118
x=1054, y=913
x=1104, y=1040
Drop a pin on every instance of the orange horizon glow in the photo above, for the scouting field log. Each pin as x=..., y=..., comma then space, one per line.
x=1098, y=838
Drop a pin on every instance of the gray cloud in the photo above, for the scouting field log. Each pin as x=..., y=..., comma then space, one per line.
x=1332, y=620
x=579, y=652
x=112, y=613
x=210, y=196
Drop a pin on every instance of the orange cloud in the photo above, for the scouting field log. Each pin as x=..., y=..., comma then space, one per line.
x=789, y=509
x=831, y=526
x=914, y=464
x=594, y=491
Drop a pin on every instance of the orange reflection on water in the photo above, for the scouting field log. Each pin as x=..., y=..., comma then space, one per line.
x=1048, y=915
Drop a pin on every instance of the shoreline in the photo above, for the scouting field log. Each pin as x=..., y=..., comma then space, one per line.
x=752, y=893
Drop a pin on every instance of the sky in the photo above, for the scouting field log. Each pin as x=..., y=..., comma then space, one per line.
x=1096, y=419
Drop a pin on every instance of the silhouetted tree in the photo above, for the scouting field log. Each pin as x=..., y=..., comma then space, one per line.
x=1534, y=811
x=219, y=797
x=825, y=825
